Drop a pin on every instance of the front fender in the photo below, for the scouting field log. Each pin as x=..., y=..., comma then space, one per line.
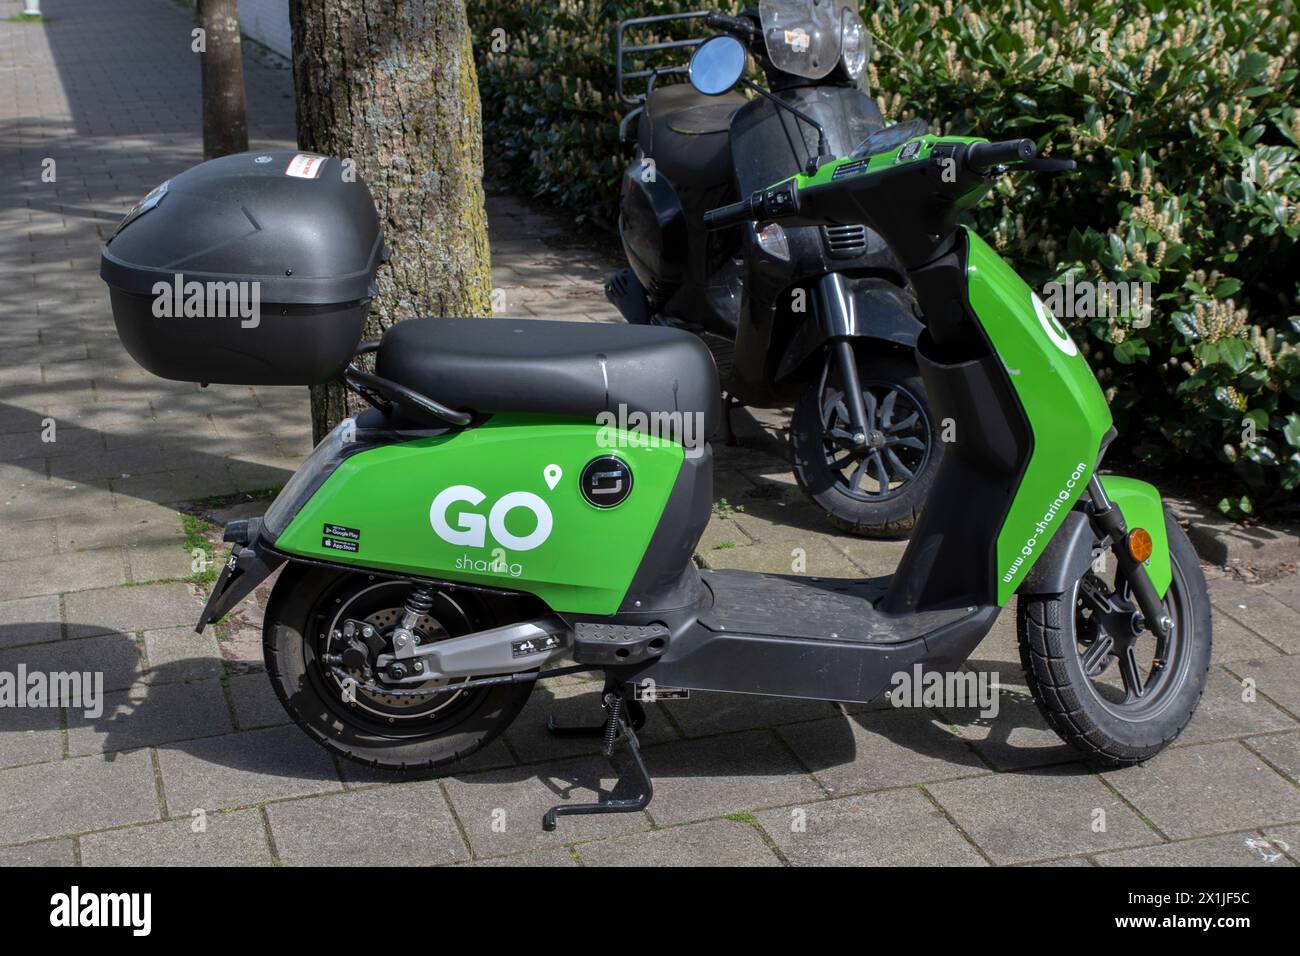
x=878, y=309
x=1071, y=549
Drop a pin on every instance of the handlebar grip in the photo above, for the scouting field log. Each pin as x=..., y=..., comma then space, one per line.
x=981, y=157
x=728, y=24
x=724, y=216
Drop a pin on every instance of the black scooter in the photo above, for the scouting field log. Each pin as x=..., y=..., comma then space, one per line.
x=816, y=316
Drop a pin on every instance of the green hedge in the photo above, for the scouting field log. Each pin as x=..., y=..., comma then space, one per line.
x=1182, y=114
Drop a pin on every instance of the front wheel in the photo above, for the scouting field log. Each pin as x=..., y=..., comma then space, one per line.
x=1108, y=686
x=344, y=707
x=874, y=485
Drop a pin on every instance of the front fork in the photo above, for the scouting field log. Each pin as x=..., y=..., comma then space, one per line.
x=836, y=314
x=1109, y=524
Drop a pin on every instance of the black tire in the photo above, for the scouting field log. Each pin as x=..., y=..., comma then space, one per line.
x=854, y=501
x=1087, y=712
x=404, y=733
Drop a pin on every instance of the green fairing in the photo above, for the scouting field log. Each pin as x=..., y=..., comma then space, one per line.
x=586, y=563
x=1141, y=507
x=1066, y=409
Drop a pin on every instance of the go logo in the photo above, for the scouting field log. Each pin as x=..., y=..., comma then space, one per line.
x=1055, y=331
x=472, y=528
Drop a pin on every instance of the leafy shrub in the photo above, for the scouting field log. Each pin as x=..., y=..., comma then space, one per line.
x=1183, y=117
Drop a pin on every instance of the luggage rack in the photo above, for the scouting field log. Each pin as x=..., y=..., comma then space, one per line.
x=652, y=74
x=383, y=393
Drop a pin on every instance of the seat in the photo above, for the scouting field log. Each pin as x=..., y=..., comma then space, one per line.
x=563, y=368
x=688, y=135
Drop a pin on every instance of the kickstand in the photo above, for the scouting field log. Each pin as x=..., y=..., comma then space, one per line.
x=615, y=729
x=729, y=433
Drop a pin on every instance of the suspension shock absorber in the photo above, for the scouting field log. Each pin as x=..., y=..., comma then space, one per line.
x=418, y=603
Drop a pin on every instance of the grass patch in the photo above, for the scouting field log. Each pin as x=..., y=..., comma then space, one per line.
x=724, y=546
x=28, y=18
x=196, y=538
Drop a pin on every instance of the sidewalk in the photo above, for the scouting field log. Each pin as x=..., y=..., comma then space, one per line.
x=99, y=575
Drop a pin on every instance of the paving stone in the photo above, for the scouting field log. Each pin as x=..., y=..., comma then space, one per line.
x=1277, y=678
x=71, y=796
x=1260, y=611
x=242, y=769
x=571, y=706
x=1236, y=849
x=30, y=735
x=703, y=714
x=116, y=656
x=38, y=537
x=227, y=839
x=1207, y=789
x=53, y=573
x=255, y=702
x=1282, y=751
x=711, y=843
x=1222, y=714
x=29, y=620
x=1285, y=838
x=1234, y=642
x=147, y=606
x=1000, y=649
x=47, y=853
x=501, y=810
x=1040, y=814
x=890, y=828
x=178, y=653
x=1017, y=737
x=399, y=825
x=697, y=779
x=537, y=858
x=873, y=751
x=492, y=757
x=146, y=715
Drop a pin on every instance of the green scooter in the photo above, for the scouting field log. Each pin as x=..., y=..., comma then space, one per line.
x=436, y=562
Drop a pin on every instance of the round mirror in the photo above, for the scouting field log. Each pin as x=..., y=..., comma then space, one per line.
x=717, y=64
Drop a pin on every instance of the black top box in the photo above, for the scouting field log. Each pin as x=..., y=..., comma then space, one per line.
x=252, y=269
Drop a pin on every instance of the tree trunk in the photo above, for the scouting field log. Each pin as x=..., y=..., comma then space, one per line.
x=392, y=87
x=225, y=121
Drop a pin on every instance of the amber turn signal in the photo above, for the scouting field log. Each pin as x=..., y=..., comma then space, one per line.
x=1139, y=544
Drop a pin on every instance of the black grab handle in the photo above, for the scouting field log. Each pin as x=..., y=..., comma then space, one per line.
x=981, y=157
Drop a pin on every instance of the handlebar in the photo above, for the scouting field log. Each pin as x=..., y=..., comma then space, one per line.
x=739, y=27
x=731, y=215
x=981, y=157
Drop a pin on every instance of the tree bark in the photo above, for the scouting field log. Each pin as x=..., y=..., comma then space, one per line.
x=225, y=120
x=392, y=87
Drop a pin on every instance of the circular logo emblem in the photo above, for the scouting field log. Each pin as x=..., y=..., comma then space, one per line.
x=1060, y=338
x=606, y=481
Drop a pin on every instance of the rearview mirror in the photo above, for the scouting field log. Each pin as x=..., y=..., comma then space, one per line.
x=717, y=65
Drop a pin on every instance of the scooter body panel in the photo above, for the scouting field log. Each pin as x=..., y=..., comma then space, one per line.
x=1067, y=412
x=499, y=506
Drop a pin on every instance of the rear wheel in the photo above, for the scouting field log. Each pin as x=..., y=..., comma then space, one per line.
x=1111, y=688
x=874, y=488
x=345, y=707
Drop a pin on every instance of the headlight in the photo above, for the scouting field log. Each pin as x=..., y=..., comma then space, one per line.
x=855, y=45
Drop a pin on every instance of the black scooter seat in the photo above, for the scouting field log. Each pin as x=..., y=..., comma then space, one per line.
x=563, y=368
